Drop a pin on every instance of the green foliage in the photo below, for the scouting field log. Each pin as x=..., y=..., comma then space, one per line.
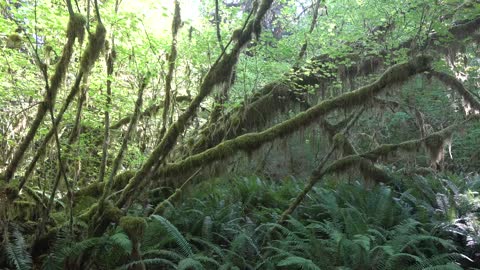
x=106, y=250
x=16, y=249
x=173, y=232
x=417, y=222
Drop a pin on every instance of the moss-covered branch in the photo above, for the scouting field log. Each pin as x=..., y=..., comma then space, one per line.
x=317, y=174
x=219, y=75
x=457, y=86
x=75, y=30
x=172, y=58
x=280, y=96
x=119, y=158
x=364, y=163
x=248, y=142
x=90, y=55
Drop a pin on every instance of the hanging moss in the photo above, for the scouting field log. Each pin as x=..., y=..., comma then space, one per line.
x=275, y=97
x=384, y=150
x=343, y=164
x=42, y=201
x=14, y=41
x=95, y=45
x=23, y=210
x=372, y=173
x=456, y=85
x=8, y=191
x=133, y=226
x=464, y=30
x=121, y=179
x=219, y=75
x=342, y=143
x=76, y=27
x=435, y=145
x=363, y=66
x=248, y=142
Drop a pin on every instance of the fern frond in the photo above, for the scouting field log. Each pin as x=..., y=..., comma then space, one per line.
x=16, y=250
x=121, y=240
x=155, y=261
x=189, y=263
x=175, y=234
x=206, y=259
x=448, y=266
x=211, y=246
x=174, y=256
x=298, y=261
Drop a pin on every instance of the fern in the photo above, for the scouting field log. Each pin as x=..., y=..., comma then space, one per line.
x=448, y=266
x=155, y=261
x=189, y=263
x=16, y=250
x=56, y=259
x=174, y=256
x=210, y=246
x=207, y=260
x=298, y=261
x=121, y=240
x=175, y=234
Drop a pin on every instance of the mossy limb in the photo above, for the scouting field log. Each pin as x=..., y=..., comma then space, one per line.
x=96, y=43
x=247, y=142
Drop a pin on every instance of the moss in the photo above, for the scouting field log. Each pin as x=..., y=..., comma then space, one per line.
x=121, y=179
x=95, y=45
x=92, y=190
x=23, y=210
x=59, y=217
x=38, y=198
x=76, y=27
x=8, y=191
x=15, y=37
x=14, y=41
x=87, y=215
x=177, y=20
x=434, y=145
x=82, y=203
x=133, y=226
x=456, y=85
x=339, y=139
x=384, y=150
x=110, y=213
x=24, y=204
x=343, y=164
x=372, y=173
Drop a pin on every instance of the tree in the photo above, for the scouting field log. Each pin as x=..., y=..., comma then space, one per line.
x=258, y=73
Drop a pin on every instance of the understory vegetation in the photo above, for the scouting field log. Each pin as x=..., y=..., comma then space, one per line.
x=230, y=223
x=239, y=135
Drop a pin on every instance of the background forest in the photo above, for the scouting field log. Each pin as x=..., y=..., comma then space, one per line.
x=228, y=134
